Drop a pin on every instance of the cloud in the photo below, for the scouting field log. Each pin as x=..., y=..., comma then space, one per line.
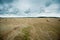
x=57, y=1
x=29, y=8
x=6, y=1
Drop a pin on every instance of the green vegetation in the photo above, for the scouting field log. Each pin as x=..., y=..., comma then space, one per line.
x=26, y=33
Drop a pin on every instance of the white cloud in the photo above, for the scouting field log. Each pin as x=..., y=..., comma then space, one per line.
x=37, y=9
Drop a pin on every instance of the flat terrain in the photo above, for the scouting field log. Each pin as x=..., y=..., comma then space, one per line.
x=29, y=28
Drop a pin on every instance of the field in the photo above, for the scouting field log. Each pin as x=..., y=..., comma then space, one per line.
x=29, y=28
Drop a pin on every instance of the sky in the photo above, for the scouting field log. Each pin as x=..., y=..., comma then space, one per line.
x=29, y=8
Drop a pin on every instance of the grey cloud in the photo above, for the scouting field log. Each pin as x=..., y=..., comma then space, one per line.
x=6, y=1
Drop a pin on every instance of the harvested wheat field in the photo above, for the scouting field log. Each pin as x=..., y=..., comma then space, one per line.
x=29, y=28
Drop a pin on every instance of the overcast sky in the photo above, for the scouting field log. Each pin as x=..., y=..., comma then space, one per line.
x=29, y=8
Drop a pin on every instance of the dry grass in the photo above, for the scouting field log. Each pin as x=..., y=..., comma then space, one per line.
x=29, y=28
